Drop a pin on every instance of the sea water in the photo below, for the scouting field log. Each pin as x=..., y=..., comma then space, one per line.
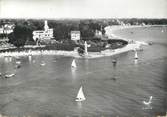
x=110, y=89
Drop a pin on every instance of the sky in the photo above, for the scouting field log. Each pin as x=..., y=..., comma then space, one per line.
x=83, y=8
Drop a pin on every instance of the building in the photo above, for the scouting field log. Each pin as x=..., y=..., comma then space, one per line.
x=75, y=35
x=1, y=31
x=7, y=29
x=98, y=34
x=109, y=31
x=46, y=34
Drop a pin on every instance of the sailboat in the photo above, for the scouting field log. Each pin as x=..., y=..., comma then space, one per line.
x=43, y=63
x=73, y=64
x=29, y=57
x=80, y=96
x=148, y=103
x=136, y=56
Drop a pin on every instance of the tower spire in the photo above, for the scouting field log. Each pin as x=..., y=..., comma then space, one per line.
x=46, y=27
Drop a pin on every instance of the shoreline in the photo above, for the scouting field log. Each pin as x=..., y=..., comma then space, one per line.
x=129, y=47
x=132, y=45
x=111, y=29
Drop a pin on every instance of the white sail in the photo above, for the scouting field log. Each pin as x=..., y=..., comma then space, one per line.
x=136, y=56
x=80, y=95
x=73, y=64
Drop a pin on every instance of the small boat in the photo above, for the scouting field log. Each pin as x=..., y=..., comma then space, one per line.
x=73, y=64
x=43, y=63
x=147, y=103
x=114, y=61
x=9, y=75
x=17, y=66
x=80, y=96
x=18, y=62
x=136, y=56
x=113, y=78
x=150, y=43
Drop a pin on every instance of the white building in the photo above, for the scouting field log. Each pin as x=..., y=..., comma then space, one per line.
x=45, y=34
x=109, y=31
x=7, y=29
x=98, y=33
x=75, y=35
x=1, y=30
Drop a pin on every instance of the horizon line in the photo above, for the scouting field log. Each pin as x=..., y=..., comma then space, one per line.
x=66, y=18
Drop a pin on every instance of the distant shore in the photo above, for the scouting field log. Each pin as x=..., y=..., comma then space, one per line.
x=112, y=29
x=132, y=45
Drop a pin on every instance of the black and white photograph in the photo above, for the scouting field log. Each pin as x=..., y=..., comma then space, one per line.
x=83, y=58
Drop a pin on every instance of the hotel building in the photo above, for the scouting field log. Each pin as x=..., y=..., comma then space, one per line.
x=42, y=35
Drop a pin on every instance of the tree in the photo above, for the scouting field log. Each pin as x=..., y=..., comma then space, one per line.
x=21, y=33
x=86, y=32
x=61, y=32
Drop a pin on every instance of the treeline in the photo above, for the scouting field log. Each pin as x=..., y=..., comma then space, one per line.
x=22, y=33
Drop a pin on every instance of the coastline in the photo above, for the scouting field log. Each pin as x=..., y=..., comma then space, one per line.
x=75, y=54
x=111, y=29
x=132, y=45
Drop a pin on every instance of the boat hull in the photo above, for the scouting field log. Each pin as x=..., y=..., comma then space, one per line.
x=79, y=100
x=9, y=75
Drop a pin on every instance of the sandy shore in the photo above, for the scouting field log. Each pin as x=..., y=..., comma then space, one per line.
x=133, y=45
